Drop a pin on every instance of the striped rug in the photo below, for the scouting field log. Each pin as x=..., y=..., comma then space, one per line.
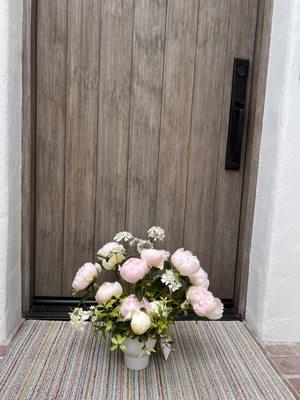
x=213, y=360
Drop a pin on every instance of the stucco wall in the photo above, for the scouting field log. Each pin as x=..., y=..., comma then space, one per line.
x=273, y=304
x=10, y=161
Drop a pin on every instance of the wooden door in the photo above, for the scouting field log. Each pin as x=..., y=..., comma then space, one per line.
x=132, y=113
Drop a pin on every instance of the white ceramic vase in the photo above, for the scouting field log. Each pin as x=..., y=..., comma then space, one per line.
x=132, y=354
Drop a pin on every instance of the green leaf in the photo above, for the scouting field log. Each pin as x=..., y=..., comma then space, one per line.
x=108, y=325
x=123, y=326
x=139, y=293
x=122, y=347
x=114, y=347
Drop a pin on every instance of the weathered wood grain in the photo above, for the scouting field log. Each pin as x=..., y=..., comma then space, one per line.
x=181, y=32
x=146, y=97
x=50, y=145
x=132, y=110
x=240, y=44
x=28, y=153
x=256, y=112
x=205, y=130
x=113, y=126
x=81, y=136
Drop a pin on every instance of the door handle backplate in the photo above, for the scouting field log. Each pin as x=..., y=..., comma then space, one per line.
x=237, y=114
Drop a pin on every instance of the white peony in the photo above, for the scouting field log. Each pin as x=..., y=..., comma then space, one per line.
x=140, y=322
x=110, y=248
x=115, y=259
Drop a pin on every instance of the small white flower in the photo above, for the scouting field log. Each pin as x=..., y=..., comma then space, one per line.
x=78, y=318
x=126, y=236
x=170, y=280
x=134, y=242
x=141, y=244
x=156, y=233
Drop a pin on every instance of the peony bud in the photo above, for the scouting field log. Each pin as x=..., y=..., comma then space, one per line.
x=140, y=322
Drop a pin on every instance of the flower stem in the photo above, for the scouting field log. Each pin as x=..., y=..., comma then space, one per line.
x=123, y=284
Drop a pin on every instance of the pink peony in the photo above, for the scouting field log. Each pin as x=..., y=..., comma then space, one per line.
x=110, y=248
x=133, y=270
x=145, y=304
x=84, y=276
x=131, y=304
x=217, y=312
x=107, y=291
x=202, y=301
x=185, y=262
x=199, y=278
x=154, y=258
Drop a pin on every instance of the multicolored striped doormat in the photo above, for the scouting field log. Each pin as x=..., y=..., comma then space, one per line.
x=213, y=360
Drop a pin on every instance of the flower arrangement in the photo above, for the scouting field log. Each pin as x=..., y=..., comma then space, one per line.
x=150, y=290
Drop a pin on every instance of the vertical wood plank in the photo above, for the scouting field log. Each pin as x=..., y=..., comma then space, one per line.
x=205, y=131
x=50, y=144
x=181, y=32
x=81, y=135
x=28, y=153
x=256, y=111
x=114, y=109
x=146, y=96
x=241, y=36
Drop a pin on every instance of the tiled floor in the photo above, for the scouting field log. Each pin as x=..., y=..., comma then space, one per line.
x=2, y=353
x=286, y=359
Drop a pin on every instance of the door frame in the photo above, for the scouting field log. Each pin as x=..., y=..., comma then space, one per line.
x=254, y=129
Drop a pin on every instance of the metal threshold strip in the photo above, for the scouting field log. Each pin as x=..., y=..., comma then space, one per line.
x=57, y=309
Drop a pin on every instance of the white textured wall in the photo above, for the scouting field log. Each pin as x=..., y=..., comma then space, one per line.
x=273, y=304
x=10, y=161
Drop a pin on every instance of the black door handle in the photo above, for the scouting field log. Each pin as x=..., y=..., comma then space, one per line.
x=237, y=114
x=236, y=138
